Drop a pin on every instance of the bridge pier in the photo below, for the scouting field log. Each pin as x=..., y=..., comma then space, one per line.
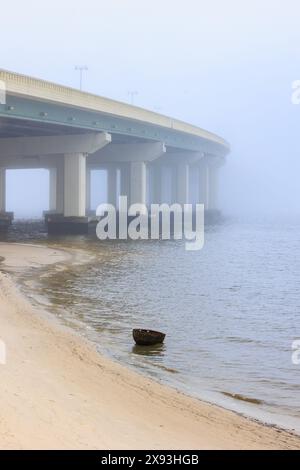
x=49, y=121
x=88, y=190
x=182, y=183
x=6, y=218
x=112, y=185
x=73, y=218
x=75, y=185
x=70, y=158
x=207, y=186
x=132, y=161
x=69, y=184
x=208, y=170
x=125, y=180
x=155, y=183
x=56, y=187
x=138, y=183
x=203, y=184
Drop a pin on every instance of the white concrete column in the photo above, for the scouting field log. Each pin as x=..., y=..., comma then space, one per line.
x=182, y=183
x=2, y=189
x=56, y=188
x=208, y=185
x=138, y=182
x=213, y=187
x=172, y=170
x=112, y=185
x=156, y=184
x=75, y=185
x=125, y=180
x=193, y=185
x=60, y=186
x=204, y=189
x=88, y=189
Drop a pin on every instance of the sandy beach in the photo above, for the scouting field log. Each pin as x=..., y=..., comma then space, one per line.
x=57, y=392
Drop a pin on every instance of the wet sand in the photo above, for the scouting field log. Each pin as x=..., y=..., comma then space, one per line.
x=56, y=391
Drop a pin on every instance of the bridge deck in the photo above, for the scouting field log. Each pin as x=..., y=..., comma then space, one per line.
x=38, y=107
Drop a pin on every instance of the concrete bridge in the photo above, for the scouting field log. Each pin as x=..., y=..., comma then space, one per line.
x=71, y=133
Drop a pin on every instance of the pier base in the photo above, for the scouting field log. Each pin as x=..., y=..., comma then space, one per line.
x=6, y=219
x=59, y=225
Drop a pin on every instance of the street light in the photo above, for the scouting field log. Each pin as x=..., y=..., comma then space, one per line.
x=81, y=69
x=132, y=94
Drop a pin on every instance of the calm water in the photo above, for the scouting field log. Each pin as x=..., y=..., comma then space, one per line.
x=230, y=311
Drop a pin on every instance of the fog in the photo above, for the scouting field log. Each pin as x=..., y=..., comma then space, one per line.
x=226, y=66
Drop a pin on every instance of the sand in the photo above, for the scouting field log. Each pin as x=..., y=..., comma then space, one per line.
x=57, y=392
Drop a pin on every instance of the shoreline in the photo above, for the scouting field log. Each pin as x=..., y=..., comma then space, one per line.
x=55, y=381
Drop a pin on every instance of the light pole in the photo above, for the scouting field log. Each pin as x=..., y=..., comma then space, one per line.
x=81, y=69
x=132, y=94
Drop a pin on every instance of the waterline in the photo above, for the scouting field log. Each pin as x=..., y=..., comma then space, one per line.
x=229, y=313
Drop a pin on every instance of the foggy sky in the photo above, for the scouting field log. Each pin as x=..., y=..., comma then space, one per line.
x=224, y=65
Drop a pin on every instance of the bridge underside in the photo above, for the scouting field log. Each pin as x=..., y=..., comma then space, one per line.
x=138, y=157
x=25, y=128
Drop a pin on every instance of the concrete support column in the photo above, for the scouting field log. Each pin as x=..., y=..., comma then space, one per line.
x=125, y=180
x=112, y=185
x=138, y=182
x=75, y=185
x=56, y=188
x=88, y=189
x=203, y=195
x=213, y=188
x=193, y=184
x=5, y=217
x=60, y=184
x=71, y=184
x=182, y=183
x=172, y=170
x=2, y=190
x=156, y=184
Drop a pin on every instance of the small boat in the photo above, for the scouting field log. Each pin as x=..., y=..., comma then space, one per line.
x=147, y=337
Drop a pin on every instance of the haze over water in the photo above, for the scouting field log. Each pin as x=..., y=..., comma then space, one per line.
x=230, y=311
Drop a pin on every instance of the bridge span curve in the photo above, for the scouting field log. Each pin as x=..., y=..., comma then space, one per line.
x=71, y=133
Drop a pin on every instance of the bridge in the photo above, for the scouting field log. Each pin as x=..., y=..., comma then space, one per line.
x=71, y=133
